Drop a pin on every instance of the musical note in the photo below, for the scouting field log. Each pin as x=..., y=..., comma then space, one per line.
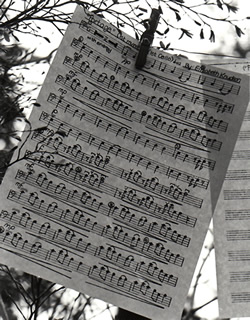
x=174, y=92
x=160, y=147
x=178, y=73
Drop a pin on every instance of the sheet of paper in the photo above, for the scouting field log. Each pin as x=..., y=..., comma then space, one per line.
x=112, y=196
x=232, y=220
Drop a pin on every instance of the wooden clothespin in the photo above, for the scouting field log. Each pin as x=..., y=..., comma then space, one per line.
x=147, y=38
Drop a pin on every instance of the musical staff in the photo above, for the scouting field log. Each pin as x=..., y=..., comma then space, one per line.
x=170, y=129
x=247, y=116
x=85, y=198
x=238, y=255
x=240, y=297
x=142, y=245
x=221, y=86
x=241, y=154
x=192, y=135
x=179, y=111
x=175, y=151
x=240, y=276
x=98, y=274
x=238, y=174
x=237, y=194
x=90, y=177
x=169, y=108
x=234, y=235
x=111, y=254
x=98, y=161
x=237, y=214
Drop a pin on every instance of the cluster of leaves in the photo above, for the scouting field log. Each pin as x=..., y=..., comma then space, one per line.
x=201, y=16
x=10, y=97
x=9, y=86
x=16, y=19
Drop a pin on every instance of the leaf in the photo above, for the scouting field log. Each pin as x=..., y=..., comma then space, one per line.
x=202, y=34
x=219, y=4
x=212, y=36
x=166, y=31
x=16, y=38
x=167, y=46
x=142, y=9
x=47, y=39
x=100, y=15
x=36, y=104
x=198, y=23
x=180, y=1
x=173, y=9
x=234, y=9
x=41, y=129
x=185, y=32
x=13, y=149
x=160, y=33
x=6, y=36
x=238, y=31
x=162, y=45
x=61, y=133
x=178, y=17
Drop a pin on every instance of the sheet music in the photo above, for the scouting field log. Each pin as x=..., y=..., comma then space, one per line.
x=112, y=197
x=231, y=220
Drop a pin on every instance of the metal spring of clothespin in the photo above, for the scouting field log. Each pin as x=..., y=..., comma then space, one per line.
x=147, y=38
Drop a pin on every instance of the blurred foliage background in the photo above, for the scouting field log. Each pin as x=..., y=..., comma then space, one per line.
x=184, y=24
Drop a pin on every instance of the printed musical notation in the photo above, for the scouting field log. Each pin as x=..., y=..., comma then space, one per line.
x=231, y=227
x=111, y=194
